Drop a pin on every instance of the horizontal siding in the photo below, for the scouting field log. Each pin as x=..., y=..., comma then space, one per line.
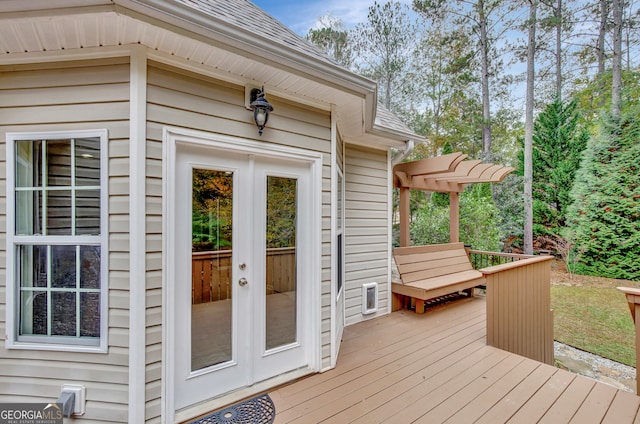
x=63, y=97
x=367, y=229
x=153, y=269
x=181, y=99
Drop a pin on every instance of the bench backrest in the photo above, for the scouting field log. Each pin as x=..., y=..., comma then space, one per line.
x=420, y=262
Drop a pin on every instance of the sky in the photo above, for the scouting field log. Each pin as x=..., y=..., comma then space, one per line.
x=300, y=15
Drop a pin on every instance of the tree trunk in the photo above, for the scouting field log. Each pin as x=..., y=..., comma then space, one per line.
x=616, y=84
x=602, y=33
x=528, y=132
x=486, y=106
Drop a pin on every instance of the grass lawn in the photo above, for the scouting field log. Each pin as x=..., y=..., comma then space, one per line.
x=590, y=314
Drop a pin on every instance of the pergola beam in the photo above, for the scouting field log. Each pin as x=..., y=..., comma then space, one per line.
x=445, y=163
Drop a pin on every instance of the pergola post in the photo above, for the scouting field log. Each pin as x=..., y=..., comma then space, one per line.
x=454, y=217
x=405, y=215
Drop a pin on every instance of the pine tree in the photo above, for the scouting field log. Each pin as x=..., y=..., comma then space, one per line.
x=558, y=142
x=604, y=219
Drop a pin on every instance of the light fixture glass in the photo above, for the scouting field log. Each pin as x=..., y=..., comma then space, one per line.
x=261, y=117
x=260, y=107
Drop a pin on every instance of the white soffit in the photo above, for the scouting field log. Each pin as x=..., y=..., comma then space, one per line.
x=24, y=35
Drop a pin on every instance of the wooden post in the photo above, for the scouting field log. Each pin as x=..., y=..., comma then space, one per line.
x=633, y=299
x=454, y=217
x=405, y=216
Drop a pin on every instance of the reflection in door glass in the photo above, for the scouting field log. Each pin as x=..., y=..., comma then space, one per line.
x=211, y=258
x=281, y=261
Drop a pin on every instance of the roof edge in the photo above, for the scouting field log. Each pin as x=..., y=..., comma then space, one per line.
x=245, y=40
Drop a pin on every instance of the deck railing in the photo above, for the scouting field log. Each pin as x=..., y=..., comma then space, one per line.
x=519, y=315
x=482, y=259
x=211, y=273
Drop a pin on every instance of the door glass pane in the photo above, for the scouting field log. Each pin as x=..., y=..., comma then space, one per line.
x=211, y=259
x=281, y=261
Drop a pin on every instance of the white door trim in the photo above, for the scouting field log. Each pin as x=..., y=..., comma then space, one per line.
x=171, y=138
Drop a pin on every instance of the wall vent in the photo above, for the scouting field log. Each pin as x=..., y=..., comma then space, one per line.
x=369, y=298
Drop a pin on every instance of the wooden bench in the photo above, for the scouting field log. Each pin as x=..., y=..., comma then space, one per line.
x=427, y=272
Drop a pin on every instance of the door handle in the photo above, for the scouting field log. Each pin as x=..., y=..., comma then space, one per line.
x=243, y=282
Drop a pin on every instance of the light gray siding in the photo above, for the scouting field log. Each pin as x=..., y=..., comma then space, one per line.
x=178, y=98
x=60, y=97
x=367, y=229
x=94, y=95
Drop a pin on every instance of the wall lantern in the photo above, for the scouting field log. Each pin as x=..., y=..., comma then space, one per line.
x=260, y=107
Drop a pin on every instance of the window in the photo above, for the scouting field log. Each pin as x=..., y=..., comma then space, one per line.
x=339, y=234
x=56, y=241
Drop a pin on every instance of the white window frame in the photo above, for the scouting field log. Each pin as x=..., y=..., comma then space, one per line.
x=340, y=238
x=55, y=343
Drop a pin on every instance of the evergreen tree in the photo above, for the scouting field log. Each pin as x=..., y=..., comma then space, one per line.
x=558, y=142
x=604, y=219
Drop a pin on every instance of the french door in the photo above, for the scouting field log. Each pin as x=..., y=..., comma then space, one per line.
x=243, y=225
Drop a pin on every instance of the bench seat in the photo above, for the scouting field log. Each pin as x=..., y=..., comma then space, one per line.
x=427, y=272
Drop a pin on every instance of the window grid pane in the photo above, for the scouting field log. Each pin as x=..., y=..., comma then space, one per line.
x=52, y=199
x=58, y=194
x=56, y=308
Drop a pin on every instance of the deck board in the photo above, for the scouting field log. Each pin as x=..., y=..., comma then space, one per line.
x=623, y=409
x=486, y=400
x=595, y=405
x=569, y=402
x=436, y=368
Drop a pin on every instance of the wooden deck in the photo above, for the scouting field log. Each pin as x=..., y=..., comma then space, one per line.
x=437, y=367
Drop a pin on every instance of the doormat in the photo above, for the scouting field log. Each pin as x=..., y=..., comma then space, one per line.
x=259, y=410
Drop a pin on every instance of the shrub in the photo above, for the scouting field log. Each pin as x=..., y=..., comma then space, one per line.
x=478, y=221
x=604, y=218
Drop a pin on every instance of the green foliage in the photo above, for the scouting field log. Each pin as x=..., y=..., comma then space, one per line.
x=478, y=221
x=209, y=232
x=605, y=216
x=595, y=94
x=281, y=212
x=508, y=197
x=212, y=212
x=211, y=221
x=430, y=225
x=558, y=142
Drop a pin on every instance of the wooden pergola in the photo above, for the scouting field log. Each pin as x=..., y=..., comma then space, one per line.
x=444, y=174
